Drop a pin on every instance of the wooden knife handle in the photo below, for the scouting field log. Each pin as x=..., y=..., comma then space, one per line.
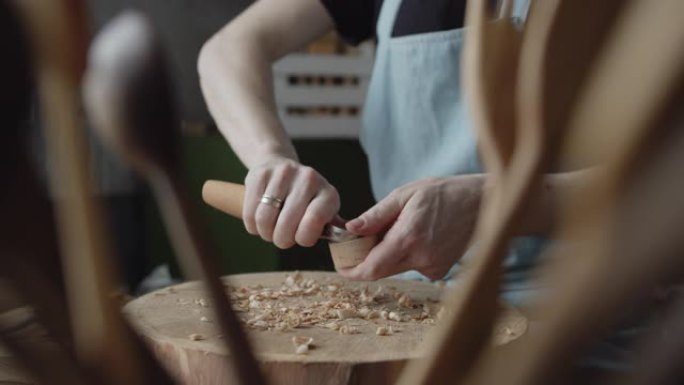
x=224, y=196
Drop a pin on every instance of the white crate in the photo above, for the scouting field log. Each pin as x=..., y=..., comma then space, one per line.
x=297, y=101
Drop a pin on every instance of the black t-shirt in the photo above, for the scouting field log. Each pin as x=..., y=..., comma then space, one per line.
x=355, y=19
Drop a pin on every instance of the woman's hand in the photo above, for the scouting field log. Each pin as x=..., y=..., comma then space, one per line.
x=308, y=203
x=427, y=226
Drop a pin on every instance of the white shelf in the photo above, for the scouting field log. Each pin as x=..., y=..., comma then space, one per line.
x=312, y=96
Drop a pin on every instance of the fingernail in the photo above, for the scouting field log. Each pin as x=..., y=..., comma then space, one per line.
x=357, y=224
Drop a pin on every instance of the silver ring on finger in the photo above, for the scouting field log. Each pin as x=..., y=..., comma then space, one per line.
x=272, y=201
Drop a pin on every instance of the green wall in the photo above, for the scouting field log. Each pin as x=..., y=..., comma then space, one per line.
x=209, y=157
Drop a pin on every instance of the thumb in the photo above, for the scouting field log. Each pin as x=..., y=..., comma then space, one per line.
x=377, y=218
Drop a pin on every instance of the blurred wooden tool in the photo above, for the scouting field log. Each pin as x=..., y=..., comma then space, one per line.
x=610, y=264
x=102, y=341
x=28, y=262
x=347, y=249
x=128, y=98
x=660, y=352
x=551, y=71
x=490, y=75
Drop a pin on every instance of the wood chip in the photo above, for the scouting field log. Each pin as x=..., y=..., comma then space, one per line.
x=394, y=316
x=196, y=337
x=373, y=314
x=346, y=314
x=302, y=340
x=346, y=329
x=302, y=344
x=405, y=301
x=440, y=313
x=302, y=349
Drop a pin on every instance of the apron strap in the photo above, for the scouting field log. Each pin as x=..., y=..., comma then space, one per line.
x=388, y=14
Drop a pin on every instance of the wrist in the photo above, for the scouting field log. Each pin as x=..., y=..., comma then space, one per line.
x=274, y=152
x=470, y=190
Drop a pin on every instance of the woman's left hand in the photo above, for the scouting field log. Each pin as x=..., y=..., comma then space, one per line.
x=427, y=226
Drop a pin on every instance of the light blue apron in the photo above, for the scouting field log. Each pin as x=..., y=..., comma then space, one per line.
x=416, y=124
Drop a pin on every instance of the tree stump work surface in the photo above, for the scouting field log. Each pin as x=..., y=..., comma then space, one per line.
x=363, y=332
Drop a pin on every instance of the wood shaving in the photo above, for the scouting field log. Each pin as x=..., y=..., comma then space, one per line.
x=302, y=344
x=405, y=301
x=384, y=331
x=301, y=302
x=333, y=325
x=373, y=314
x=346, y=313
x=394, y=316
x=302, y=340
x=346, y=329
x=302, y=349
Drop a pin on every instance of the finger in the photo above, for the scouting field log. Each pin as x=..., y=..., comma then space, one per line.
x=254, y=189
x=266, y=215
x=338, y=221
x=377, y=218
x=374, y=268
x=322, y=209
x=388, y=258
x=298, y=200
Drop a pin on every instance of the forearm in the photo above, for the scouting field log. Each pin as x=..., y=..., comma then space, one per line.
x=235, y=68
x=541, y=216
x=236, y=80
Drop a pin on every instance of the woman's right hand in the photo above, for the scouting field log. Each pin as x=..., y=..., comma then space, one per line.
x=309, y=203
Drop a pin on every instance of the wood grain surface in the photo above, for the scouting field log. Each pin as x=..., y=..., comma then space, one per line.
x=168, y=317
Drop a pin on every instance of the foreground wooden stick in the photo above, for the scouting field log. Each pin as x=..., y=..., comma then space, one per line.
x=26, y=260
x=612, y=263
x=27, y=244
x=102, y=342
x=46, y=363
x=660, y=352
x=490, y=69
x=128, y=98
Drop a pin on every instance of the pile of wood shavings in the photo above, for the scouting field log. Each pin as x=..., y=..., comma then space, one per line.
x=303, y=303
